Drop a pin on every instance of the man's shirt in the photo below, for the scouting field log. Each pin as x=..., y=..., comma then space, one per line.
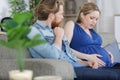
x=49, y=49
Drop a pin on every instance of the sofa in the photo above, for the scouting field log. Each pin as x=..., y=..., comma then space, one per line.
x=43, y=67
x=110, y=43
x=40, y=67
x=113, y=48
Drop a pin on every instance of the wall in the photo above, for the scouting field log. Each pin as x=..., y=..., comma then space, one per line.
x=117, y=28
x=4, y=8
x=109, y=8
x=73, y=16
x=107, y=23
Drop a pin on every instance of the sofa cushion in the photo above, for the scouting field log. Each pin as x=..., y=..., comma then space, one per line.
x=114, y=48
x=40, y=67
x=5, y=53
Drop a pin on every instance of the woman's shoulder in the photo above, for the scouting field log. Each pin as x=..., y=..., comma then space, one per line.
x=70, y=22
x=68, y=28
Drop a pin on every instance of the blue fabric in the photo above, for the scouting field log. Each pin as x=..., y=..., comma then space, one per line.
x=49, y=49
x=86, y=73
x=82, y=42
x=114, y=49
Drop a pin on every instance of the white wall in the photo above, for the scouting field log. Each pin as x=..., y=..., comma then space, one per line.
x=117, y=28
x=109, y=8
x=4, y=8
x=108, y=24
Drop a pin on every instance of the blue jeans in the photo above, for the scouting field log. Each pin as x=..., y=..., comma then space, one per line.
x=86, y=73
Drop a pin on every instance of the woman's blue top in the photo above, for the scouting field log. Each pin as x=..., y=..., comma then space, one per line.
x=84, y=43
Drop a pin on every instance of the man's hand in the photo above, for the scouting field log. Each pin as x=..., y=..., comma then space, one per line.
x=59, y=33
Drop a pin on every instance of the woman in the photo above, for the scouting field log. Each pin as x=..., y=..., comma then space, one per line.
x=84, y=39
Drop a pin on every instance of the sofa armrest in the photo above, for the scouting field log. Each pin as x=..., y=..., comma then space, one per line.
x=40, y=67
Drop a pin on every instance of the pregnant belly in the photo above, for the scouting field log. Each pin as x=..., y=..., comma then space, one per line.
x=105, y=56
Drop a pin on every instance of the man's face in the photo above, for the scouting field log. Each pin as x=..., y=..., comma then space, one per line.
x=58, y=17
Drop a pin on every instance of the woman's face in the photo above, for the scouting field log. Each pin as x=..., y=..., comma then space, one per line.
x=89, y=20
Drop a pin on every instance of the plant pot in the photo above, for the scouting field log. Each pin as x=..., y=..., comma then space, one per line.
x=17, y=75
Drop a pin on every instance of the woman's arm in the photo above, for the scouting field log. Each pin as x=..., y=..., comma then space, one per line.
x=93, y=58
x=68, y=29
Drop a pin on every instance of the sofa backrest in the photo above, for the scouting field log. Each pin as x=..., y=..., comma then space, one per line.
x=9, y=54
x=107, y=38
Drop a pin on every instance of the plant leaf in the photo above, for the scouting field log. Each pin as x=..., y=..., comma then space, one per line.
x=21, y=18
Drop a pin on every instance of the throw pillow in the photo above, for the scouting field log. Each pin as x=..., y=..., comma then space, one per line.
x=114, y=49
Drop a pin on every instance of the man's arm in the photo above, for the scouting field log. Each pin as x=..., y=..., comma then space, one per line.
x=46, y=50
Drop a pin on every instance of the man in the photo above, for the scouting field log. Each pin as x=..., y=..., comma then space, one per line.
x=49, y=14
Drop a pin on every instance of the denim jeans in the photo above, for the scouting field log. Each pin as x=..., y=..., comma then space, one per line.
x=86, y=73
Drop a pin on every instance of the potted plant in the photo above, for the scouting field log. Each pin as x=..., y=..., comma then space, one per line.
x=17, y=29
x=17, y=39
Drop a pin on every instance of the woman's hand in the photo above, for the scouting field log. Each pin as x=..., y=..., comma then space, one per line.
x=111, y=56
x=90, y=64
x=94, y=59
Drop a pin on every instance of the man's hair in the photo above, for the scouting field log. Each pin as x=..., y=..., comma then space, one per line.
x=45, y=7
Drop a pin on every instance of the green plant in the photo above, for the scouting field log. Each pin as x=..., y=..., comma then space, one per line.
x=33, y=3
x=17, y=36
x=17, y=30
x=17, y=6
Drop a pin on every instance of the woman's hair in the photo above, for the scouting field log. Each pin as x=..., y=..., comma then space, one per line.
x=86, y=9
x=45, y=7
